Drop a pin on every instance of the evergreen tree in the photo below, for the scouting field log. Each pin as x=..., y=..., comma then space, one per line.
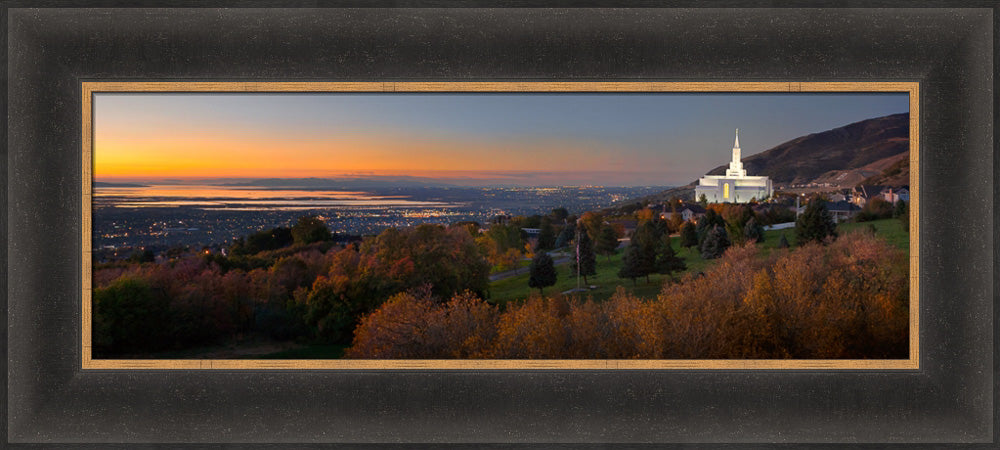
x=645, y=240
x=689, y=236
x=607, y=241
x=900, y=209
x=587, y=258
x=566, y=236
x=703, y=200
x=543, y=272
x=904, y=216
x=783, y=243
x=667, y=261
x=560, y=214
x=706, y=223
x=815, y=223
x=631, y=263
x=716, y=243
x=546, y=235
x=753, y=231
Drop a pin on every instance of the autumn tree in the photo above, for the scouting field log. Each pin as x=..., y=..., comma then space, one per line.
x=130, y=316
x=309, y=229
x=607, y=241
x=584, y=261
x=503, y=245
x=542, y=272
x=591, y=223
x=876, y=208
x=676, y=222
x=815, y=224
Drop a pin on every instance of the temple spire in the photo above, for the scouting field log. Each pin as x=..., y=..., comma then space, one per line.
x=737, y=145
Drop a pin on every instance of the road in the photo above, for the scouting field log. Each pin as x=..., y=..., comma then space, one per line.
x=558, y=260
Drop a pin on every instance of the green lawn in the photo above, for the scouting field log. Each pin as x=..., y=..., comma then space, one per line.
x=889, y=229
x=606, y=280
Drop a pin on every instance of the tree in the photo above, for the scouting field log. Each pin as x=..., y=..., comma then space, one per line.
x=142, y=256
x=900, y=209
x=875, y=209
x=706, y=223
x=130, y=316
x=639, y=259
x=703, y=200
x=736, y=218
x=566, y=236
x=815, y=223
x=716, y=243
x=560, y=214
x=546, y=235
x=585, y=255
x=591, y=222
x=783, y=243
x=753, y=231
x=689, y=236
x=607, y=241
x=309, y=229
x=502, y=245
x=543, y=272
x=675, y=222
x=667, y=261
x=631, y=263
x=904, y=216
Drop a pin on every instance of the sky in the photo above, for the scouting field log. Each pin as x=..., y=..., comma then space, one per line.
x=655, y=139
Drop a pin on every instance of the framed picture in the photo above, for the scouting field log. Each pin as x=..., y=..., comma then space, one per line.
x=184, y=267
x=60, y=391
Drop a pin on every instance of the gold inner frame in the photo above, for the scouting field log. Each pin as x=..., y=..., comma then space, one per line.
x=90, y=88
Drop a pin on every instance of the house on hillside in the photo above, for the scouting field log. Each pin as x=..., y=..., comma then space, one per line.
x=842, y=211
x=625, y=226
x=894, y=195
x=688, y=212
x=864, y=192
x=691, y=213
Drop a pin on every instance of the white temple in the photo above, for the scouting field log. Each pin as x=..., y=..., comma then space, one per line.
x=735, y=186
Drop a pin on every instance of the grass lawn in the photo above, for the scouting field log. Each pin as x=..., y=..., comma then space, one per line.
x=606, y=280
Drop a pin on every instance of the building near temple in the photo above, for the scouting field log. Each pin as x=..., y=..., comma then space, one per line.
x=735, y=186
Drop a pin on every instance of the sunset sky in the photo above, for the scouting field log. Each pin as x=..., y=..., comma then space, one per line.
x=541, y=139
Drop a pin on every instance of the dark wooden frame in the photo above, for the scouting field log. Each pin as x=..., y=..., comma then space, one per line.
x=51, y=51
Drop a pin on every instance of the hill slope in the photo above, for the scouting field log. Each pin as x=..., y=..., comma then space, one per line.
x=805, y=159
x=863, y=151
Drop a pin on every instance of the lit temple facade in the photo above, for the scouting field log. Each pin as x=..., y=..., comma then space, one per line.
x=735, y=186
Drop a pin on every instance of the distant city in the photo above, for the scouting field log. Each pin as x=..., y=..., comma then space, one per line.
x=126, y=219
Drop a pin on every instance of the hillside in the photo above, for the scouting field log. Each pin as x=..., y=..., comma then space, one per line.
x=807, y=158
x=863, y=151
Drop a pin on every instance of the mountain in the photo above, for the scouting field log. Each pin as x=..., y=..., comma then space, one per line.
x=873, y=151
x=805, y=159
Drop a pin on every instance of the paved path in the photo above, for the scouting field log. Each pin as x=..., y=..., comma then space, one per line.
x=558, y=260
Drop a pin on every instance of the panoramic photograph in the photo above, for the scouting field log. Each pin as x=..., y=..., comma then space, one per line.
x=500, y=226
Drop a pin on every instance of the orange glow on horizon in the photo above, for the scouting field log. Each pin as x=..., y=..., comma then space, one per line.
x=222, y=155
